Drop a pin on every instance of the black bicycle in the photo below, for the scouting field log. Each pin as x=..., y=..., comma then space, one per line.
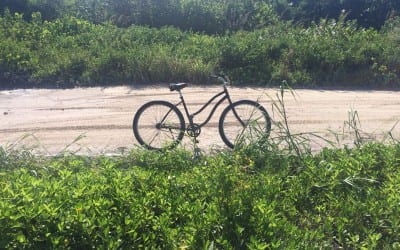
x=161, y=125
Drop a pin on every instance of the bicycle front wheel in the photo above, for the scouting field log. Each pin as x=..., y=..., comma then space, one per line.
x=158, y=125
x=244, y=122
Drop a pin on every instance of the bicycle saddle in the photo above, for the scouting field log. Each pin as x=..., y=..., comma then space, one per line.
x=177, y=86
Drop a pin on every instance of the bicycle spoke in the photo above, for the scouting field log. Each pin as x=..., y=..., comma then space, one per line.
x=243, y=123
x=158, y=125
x=154, y=137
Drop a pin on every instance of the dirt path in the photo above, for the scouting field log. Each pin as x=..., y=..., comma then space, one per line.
x=98, y=120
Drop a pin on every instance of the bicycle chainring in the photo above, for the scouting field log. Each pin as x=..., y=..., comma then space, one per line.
x=193, y=130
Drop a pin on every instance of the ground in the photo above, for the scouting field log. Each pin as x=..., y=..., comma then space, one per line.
x=99, y=120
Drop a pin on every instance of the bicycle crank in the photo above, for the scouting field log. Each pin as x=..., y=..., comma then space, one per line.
x=193, y=130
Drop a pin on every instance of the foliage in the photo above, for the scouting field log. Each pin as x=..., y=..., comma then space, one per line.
x=206, y=15
x=73, y=52
x=346, y=198
x=367, y=13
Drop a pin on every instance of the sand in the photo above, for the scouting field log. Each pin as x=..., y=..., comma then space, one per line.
x=99, y=120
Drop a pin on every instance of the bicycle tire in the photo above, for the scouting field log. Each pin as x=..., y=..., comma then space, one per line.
x=158, y=125
x=256, y=118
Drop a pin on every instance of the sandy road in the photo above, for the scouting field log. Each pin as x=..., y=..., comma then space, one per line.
x=98, y=120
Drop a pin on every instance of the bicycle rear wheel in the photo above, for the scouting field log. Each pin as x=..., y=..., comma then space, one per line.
x=158, y=125
x=243, y=122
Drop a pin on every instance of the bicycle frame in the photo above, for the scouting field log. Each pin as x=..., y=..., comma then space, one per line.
x=170, y=128
x=225, y=95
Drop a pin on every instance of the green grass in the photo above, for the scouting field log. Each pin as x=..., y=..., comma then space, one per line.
x=256, y=199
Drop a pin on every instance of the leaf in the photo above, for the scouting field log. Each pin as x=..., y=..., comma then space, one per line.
x=21, y=237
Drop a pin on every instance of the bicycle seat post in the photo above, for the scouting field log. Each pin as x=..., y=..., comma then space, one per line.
x=190, y=117
x=180, y=94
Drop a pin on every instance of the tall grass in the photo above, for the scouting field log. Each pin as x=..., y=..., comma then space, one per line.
x=73, y=52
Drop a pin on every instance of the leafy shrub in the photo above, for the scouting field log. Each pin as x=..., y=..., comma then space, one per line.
x=69, y=52
x=342, y=197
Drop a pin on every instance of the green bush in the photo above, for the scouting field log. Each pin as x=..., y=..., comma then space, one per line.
x=72, y=52
x=347, y=198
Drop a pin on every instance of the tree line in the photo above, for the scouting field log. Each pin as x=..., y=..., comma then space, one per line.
x=209, y=16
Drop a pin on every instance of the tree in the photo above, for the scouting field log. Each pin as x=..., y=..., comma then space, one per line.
x=367, y=13
x=21, y=6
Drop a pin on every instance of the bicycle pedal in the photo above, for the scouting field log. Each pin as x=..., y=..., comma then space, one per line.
x=197, y=152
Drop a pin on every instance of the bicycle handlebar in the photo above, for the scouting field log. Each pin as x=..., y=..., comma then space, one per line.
x=221, y=78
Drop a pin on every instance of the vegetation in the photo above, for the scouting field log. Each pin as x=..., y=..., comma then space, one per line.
x=249, y=198
x=208, y=16
x=271, y=194
x=73, y=52
x=90, y=42
x=264, y=196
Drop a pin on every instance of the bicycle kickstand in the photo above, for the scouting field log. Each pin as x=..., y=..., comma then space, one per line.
x=196, y=149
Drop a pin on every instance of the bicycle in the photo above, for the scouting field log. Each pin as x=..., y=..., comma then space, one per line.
x=161, y=125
